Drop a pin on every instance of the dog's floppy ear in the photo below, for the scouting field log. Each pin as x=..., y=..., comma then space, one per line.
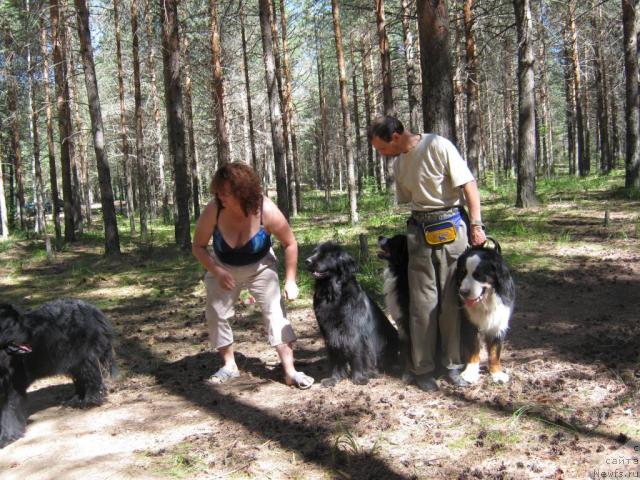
x=347, y=264
x=7, y=310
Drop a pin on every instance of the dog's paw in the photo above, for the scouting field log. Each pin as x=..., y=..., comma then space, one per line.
x=329, y=382
x=471, y=374
x=500, y=377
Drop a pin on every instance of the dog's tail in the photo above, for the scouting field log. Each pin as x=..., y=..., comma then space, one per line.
x=108, y=363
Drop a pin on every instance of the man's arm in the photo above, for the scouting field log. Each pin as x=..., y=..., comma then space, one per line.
x=472, y=198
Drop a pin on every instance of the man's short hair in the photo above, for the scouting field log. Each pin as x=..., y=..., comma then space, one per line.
x=384, y=127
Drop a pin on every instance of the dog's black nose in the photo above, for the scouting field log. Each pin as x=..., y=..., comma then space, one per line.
x=464, y=292
x=307, y=262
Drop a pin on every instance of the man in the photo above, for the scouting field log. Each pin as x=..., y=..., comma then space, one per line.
x=433, y=178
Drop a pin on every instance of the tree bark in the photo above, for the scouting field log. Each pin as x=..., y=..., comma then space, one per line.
x=41, y=224
x=12, y=106
x=274, y=107
x=409, y=55
x=583, y=166
x=188, y=117
x=285, y=120
x=53, y=176
x=4, y=218
x=219, y=114
x=569, y=88
x=64, y=117
x=290, y=115
x=632, y=108
x=387, y=84
x=111, y=238
x=143, y=189
x=437, y=75
x=366, y=87
x=126, y=160
x=602, y=93
x=346, y=115
x=175, y=118
x=474, y=148
x=356, y=118
x=526, y=189
x=158, y=152
x=247, y=85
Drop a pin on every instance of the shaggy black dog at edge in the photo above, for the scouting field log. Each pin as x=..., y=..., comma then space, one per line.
x=61, y=337
x=360, y=340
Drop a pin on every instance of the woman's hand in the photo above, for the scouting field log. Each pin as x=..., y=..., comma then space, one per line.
x=225, y=279
x=290, y=290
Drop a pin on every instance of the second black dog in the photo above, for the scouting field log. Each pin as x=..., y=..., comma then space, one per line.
x=61, y=337
x=359, y=338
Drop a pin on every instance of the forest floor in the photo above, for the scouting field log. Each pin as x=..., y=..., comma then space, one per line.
x=570, y=411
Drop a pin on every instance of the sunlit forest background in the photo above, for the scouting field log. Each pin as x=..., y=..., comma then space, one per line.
x=127, y=107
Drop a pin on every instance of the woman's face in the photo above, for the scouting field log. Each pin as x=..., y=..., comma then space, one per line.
x=226, y=198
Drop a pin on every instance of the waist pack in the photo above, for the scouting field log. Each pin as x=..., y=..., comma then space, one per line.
x=442, y=231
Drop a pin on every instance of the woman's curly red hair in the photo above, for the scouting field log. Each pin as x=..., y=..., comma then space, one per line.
x=243, y=184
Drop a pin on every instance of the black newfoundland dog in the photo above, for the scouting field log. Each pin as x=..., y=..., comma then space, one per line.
x=61, y=337
x=360, y=340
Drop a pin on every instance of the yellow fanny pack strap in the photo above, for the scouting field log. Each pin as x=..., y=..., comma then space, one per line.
x=440, y=233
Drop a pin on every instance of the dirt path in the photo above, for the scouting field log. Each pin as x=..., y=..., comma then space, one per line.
x=570, y=409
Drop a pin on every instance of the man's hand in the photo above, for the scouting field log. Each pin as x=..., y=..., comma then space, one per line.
x=477, y=235
x=290, y=290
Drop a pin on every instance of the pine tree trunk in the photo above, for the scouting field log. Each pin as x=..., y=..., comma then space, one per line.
x=77, y=150
x=158, y=152
x=274, y=107
x=294, y=185
x=569, y=88
x=409, y=56
x=12, y=106
x=325, y=178
x=285, y=120
x=219, y=114
x=356, y=118
x=583, y=167
x=602, y=93
x=247, y=85
x=143, y=188
x=632, y=108
x=111, y=238
x=474, y=149
x=188, y=118
x=175, y=119
x=64, y=117
x=387, y=85
x=507, y=105
x=459, y=90
x=4, y=218
x=366, y=87
x=547, y=127
x=437, y=74
x=53, y=176
x=41, y=224
x=346, y=115
x=526, y=189
x=126, y=160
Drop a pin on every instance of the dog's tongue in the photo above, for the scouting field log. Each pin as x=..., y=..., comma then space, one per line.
x=22, y=348
x=470, y=302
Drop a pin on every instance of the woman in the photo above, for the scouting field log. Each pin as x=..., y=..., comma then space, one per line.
x=241, y=221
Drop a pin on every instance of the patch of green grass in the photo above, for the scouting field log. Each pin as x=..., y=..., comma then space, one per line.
x=179, y=462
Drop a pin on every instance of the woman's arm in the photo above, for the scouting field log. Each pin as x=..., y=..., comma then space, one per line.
x=275, y=222
x=201, y=237
x=472, y=197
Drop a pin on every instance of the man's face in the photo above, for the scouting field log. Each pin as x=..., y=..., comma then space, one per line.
x=387, y=149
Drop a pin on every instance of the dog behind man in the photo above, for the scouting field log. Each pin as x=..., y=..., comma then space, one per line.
x=66, y=336
x=359, y=338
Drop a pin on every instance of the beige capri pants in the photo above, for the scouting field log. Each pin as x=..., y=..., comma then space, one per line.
x=261, y=279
